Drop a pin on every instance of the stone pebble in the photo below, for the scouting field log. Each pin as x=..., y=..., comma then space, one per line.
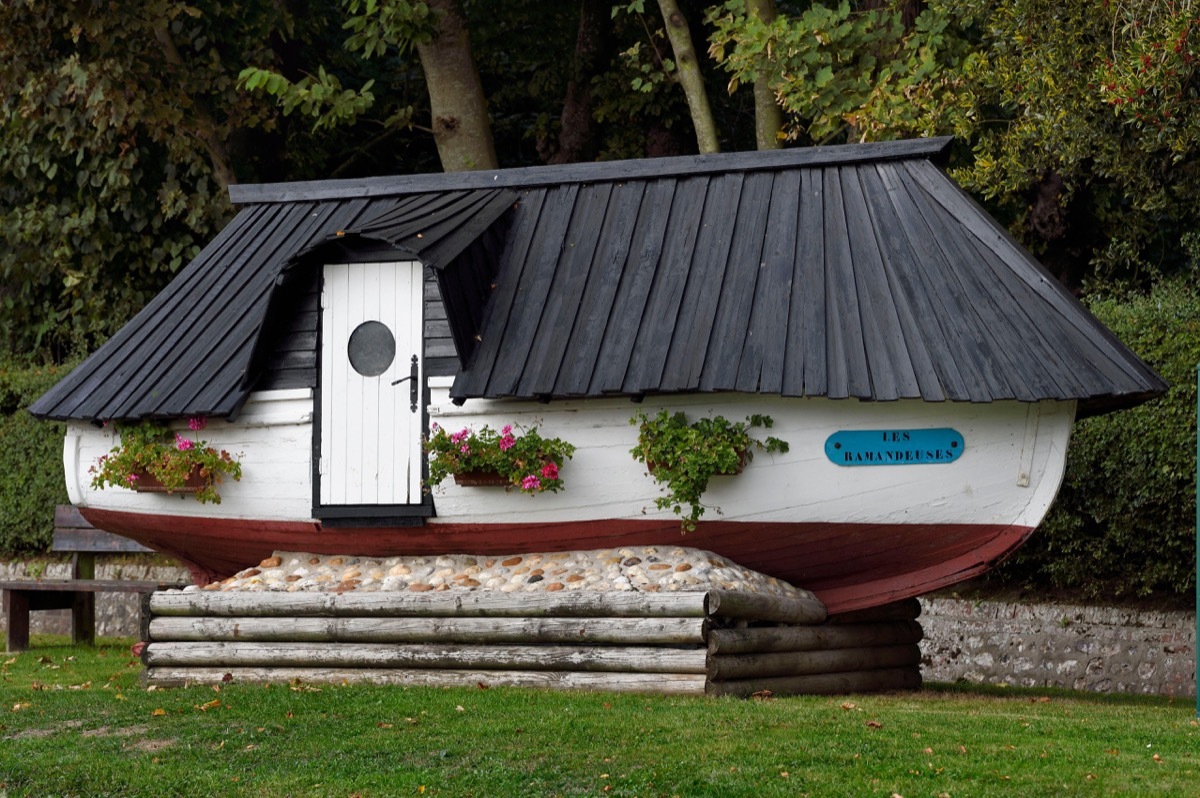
x=648, y=569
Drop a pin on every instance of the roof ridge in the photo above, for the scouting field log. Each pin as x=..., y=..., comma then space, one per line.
x=592, y=172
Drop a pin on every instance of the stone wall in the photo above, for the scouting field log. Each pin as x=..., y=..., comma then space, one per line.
x=1103, y=649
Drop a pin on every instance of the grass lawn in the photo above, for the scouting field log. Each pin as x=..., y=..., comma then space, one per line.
x=77, y=721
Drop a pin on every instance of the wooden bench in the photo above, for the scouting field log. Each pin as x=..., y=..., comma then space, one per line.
x=73, y=535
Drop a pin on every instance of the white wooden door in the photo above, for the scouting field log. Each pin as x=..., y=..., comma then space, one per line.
x=371, y=329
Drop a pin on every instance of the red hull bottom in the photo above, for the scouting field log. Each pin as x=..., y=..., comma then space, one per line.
x=848, y=566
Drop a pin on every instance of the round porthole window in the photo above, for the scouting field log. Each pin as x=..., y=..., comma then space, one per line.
x=372, y=348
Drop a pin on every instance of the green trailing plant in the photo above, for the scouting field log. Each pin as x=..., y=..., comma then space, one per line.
x=150, y=450
x=523, y=458
x=684, y=455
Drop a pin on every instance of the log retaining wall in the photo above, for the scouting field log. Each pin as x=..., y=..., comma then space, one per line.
x=711, y=642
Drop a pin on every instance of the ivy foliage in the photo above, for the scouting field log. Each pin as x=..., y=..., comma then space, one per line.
x=1124, y=523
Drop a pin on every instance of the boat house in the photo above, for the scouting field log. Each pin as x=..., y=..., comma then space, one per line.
x=331, y=323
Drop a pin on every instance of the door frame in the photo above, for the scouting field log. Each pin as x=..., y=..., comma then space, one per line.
x=366, y=515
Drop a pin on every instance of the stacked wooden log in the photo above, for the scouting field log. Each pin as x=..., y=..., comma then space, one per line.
x=712, y=642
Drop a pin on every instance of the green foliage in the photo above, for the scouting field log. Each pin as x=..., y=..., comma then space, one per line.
x=150, y=449
x=1082, y=120
x=685, y=455
x=1093, y=111
x=841, y=73
x=1123, y=525
x=319, y=96
x=525, y=459
x=376, y=27
x=31, y=459
x=113, y=124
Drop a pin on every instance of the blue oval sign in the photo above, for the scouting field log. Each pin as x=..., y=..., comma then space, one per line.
x=884, y=447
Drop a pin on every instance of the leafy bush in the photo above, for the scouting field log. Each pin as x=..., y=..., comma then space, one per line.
x=31, y=464
x=1124, y=523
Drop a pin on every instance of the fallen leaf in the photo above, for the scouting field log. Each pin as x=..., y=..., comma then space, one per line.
x=481, y=685
x=762, y=695
x=20, y=706
x=12, y=661
x=849, y=705
x=785, y=774
x=874, y=724
x=962, y=749
x=216, y=702
x=158, y=712
x=459, y=708
x=927, y=750
x=1158, y=759
x=1090, y=777
x=382, y=725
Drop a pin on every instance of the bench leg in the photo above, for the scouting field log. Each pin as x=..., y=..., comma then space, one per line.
x=83, y=619
x=16, y=611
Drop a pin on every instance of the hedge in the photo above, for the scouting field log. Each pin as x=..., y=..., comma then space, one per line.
x=1124, y=523
x=31, y=460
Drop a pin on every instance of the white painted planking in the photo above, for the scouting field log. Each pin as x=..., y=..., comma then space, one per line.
x=273, y=435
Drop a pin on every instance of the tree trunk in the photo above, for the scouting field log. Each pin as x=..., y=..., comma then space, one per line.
x=687, y=71
x=461, y=127
x=577, y=131
x=768, y=116
x=204, y=127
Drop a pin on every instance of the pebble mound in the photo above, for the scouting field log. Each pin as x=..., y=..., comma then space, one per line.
x=649, y=569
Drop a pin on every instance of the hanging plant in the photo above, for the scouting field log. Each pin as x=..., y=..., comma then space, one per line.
x=522, y=459
x=152, y=458
x=683, y=456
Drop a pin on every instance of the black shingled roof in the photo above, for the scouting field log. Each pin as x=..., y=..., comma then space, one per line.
x=851, y=271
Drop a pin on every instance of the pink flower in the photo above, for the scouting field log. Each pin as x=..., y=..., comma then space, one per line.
x=458, y=437
x=182, y=443
x=197, y=423
x=550, y=471
x=531, y=482
x=131, y=478
x=507, y=442
x=465, y=449
x=506, y=430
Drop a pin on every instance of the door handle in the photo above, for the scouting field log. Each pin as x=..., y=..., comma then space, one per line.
x=413, y=387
